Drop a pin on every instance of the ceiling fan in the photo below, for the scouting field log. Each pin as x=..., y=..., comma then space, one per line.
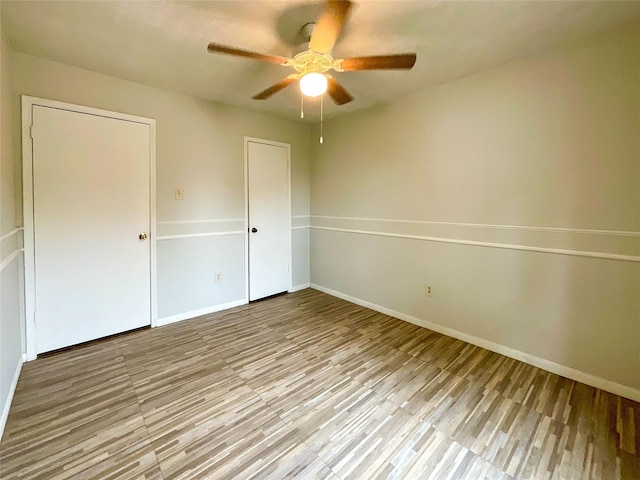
x=314, y=59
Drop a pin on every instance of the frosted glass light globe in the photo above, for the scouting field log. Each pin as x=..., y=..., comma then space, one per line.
x=313, y=84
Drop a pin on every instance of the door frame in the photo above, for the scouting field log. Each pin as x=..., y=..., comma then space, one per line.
x=246, y=208
x=28, y=103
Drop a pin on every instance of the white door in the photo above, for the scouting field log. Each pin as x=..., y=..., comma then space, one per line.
x=269, y=220
x=91, y=189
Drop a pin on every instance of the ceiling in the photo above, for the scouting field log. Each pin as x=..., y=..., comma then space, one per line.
x=163, y=44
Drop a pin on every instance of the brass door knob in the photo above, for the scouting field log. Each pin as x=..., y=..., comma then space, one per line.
x=142, y=236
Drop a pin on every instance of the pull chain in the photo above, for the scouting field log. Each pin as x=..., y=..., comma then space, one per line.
x=321, y=114
x=302, y=105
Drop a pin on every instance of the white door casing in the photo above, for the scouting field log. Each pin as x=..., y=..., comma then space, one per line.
x=90, y=196
x=269, y=218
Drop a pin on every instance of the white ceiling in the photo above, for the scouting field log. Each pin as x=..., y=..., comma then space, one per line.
x=163, y=44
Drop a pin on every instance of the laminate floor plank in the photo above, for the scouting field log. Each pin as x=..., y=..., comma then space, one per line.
x=307, y=386
x=87, y=420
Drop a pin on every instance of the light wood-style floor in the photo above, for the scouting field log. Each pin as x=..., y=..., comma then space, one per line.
x=308, y=386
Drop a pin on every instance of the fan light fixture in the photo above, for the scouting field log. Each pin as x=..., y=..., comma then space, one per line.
x=313, y=84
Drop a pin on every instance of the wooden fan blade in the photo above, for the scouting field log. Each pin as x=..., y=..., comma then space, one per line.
x=263, y=95
x=384, y=62
x=217, y=48
x=329, y=25
x=337, y=92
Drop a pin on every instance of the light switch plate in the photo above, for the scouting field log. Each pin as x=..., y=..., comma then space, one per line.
x=179, y=193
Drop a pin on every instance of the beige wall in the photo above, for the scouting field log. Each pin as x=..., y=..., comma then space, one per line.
x=11, y=267
x=7, y=188
x=200, y=148
x=552, y=140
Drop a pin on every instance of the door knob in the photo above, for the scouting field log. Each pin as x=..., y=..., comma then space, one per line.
x=142, y=236
x=254, y=230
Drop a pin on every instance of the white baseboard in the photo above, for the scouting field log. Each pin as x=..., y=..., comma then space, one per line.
x=299, y=287
x=198, y=313
x=12, y=390
x=562, y=370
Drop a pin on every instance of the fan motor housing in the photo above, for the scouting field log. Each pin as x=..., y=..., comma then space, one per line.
x=306, y=60
x=307, y=30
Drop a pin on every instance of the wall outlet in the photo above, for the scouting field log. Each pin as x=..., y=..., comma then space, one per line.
x=218, y=277
x=179, y=193
x=428, y=291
